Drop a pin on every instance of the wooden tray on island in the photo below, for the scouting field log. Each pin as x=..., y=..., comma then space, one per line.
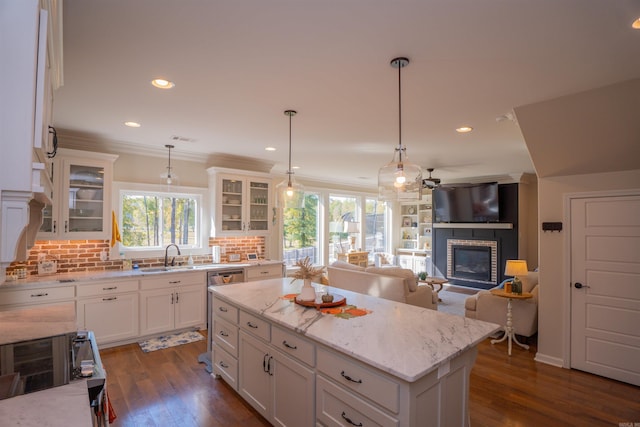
x=317, y=303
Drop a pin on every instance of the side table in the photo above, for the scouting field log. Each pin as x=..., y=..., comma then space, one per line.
x=509, y=333
x=432, y=281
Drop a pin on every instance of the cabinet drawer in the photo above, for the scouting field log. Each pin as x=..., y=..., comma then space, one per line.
x=336, y=407
x=293, y=345
x=171, y=280
x=107, y=288
x=368, y=383
x=255, y=325
x=225, y=310
x=264, y=272
x=226, y=366
x=225, y=335
x=38, y=295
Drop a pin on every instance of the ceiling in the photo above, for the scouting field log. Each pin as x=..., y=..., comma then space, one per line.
x=237, y=65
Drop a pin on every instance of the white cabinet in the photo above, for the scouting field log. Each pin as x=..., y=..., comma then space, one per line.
x=263, y=272
x=241, y=204
x=171, y=301
x=109, y=309
x=414, y=250
x=24, y=298
x=279, y=388
x=81, y=207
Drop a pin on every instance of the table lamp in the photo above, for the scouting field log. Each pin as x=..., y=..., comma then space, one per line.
x=352, y=228
x=515, y=268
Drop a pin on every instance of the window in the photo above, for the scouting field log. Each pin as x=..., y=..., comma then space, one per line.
x=300, y=236
x=152, y=217
x=342, y=209
x=375, y=226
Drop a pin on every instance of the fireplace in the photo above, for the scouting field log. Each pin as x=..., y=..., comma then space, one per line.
x=473, y=261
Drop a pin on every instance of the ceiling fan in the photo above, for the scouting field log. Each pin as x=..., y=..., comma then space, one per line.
x=430, y=182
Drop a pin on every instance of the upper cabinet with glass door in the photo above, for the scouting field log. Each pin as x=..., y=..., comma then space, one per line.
x=241, y=204
x=82, y=197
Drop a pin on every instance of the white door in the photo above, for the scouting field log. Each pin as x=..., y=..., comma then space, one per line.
x=605, y=286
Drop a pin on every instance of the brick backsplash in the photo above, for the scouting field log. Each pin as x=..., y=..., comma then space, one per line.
x=84, y=255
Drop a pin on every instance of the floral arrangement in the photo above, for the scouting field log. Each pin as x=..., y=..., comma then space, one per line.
x=306, y=270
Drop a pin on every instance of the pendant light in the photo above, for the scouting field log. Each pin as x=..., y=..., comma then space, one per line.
x=290, y=194
x=400, y=180
x=168, y=177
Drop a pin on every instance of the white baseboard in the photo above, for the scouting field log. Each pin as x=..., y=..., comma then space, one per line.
x=549, y=360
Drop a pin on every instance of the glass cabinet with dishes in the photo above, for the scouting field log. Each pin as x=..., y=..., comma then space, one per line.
x=242, y=204
x=81, y=205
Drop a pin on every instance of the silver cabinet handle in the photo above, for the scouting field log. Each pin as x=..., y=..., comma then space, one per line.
x=344, y=417
x=44, y=294
x=251, y=325
x=175, y=282
x=224, y=365
x=110, y=299
x=223, y=333
x=111, y=288
x=223, y=309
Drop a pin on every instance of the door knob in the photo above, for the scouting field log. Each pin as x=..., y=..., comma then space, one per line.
x=579, y=285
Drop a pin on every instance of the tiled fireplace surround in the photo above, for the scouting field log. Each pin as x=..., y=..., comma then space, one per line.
x=473, y=243
x=84, y=255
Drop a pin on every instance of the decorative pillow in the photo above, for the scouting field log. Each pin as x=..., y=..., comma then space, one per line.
x=384, y=259
x=529, y=281
x=409, y=277
x=345, y=265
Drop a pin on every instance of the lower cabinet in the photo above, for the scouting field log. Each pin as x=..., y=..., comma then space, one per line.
x=109, y=309
x=171, y=301
x=279, y=388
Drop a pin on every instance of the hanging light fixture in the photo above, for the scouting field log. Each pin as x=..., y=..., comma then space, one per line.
x=400, y=179
x=169, y=177
x=290, y=194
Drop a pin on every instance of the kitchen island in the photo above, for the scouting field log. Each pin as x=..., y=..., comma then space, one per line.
x=397, y=365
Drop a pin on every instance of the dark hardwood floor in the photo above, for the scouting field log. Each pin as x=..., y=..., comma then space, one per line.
x=170, y=388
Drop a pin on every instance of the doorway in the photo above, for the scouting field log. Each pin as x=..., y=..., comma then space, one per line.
x=605, y=286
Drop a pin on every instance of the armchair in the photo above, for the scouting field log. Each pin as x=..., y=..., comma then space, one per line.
x=492, y=308
x=384, y=259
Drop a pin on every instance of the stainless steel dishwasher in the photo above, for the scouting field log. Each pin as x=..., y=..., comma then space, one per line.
x=219, y=277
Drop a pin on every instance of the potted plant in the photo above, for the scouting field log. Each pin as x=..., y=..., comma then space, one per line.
x=306, y=271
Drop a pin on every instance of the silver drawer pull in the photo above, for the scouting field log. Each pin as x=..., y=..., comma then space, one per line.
x=344, y=417
x=251, y=325
x=44, y=294
x=286, y=344
x=224, y=334
x=111, y=288
x=224, y=365
x=348, y=378
x=109, y=299
x=175, y=282
x=223, y=309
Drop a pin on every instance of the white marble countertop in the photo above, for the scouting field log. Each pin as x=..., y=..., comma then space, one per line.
x=404, y=340
x=34, y=323
x=87, y=276
x=67, y=405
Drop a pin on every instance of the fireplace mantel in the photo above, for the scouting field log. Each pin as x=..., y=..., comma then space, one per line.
x=494, y=225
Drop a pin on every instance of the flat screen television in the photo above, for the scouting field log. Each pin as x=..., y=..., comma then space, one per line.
x=466, y=203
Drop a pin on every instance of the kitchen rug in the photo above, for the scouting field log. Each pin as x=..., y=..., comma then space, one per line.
x=167, y=341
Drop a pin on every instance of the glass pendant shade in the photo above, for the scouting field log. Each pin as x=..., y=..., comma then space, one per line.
x=400, y=179
x=289, y=194
x=169, y=177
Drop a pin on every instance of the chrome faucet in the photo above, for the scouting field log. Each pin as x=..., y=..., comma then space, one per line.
x=166, y=251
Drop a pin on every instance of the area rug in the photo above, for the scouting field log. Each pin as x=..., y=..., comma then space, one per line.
x=452, y=302
x=167, y=341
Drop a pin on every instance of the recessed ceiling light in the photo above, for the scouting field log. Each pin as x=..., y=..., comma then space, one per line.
x=270, y=149
x=636, y=24
x=162, y=83
x=464, y=129
x=132, y=124
x=295, y=167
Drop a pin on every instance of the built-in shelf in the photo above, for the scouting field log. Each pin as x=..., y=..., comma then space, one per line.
x=494, y=225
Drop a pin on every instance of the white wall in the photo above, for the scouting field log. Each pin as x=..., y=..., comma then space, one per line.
x=554, y=266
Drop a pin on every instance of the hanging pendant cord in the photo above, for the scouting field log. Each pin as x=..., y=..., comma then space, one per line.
x=400, y=109
x=289, y=170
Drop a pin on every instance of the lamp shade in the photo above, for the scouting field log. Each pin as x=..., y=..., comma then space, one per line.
x=351, y=227
x=290, y=194
x=400, y=179
x=516, y=267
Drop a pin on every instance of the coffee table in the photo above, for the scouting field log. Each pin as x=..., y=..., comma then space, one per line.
x=509, y=332
x=435, y=281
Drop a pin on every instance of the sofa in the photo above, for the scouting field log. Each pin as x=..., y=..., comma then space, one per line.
x=492, y=308
x=393, y=283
